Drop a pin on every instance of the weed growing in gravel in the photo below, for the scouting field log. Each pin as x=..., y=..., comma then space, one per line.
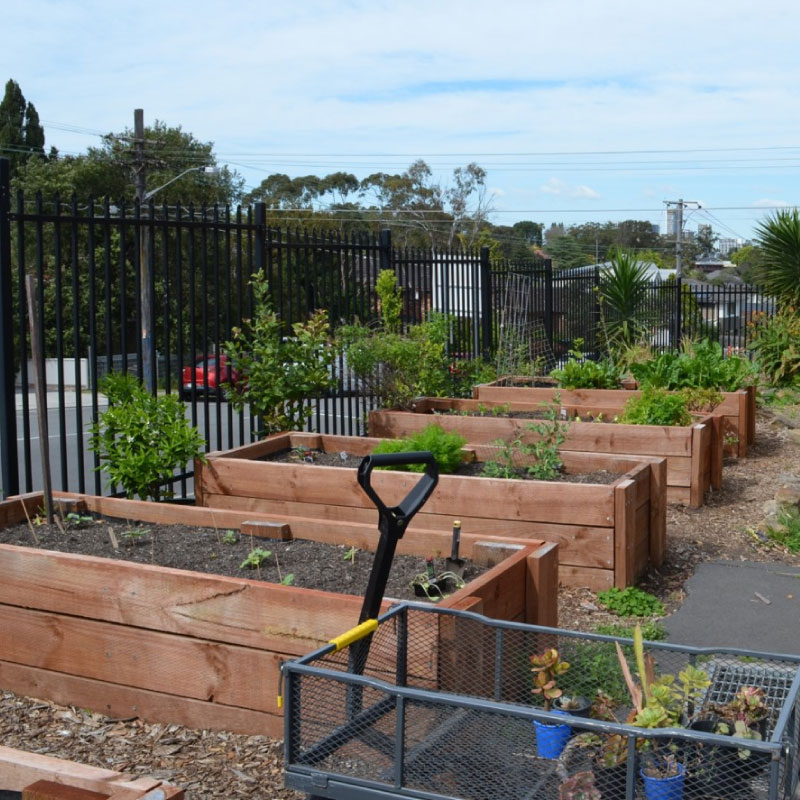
x=787, y=534
x=651, y=631
x=630, y=602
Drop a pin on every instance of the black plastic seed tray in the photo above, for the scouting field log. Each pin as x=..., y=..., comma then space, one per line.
x=443, y=709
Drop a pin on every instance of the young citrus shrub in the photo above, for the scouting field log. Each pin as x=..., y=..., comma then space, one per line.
x=141, y=438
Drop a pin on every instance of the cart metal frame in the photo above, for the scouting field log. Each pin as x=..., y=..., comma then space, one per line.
x=422, y=721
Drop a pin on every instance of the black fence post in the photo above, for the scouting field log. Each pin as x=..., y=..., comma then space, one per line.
x=9, y=465
x=487, y=301
x=676, y=341
x=385, y=250
x=259, y=248
x=548, y=302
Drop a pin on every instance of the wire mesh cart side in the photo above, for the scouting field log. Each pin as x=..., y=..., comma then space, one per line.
x=443, y=709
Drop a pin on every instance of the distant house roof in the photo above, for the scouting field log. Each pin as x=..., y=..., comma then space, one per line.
x=725, y=275
x=654, y=272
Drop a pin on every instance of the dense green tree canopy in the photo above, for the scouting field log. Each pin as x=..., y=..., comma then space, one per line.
x=108, y=170
x=21, y=134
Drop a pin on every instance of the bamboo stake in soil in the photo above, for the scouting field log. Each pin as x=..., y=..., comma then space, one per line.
x=41, y=398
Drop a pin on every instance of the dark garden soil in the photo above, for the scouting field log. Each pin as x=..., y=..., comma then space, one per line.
x=311, y=565
x=224, y=765
x=474, y=469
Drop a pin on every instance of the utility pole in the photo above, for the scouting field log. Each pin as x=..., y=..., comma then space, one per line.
x=679, y=206
x=144, y=256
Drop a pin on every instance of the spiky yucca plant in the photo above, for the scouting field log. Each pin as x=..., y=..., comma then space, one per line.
x=779, y=238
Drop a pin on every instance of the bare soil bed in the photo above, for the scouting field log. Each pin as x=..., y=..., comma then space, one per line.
x=312, y=565
x=215, y=765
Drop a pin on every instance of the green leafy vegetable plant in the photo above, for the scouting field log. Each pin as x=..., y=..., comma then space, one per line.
x=701, y=365
x=141, y=439
x=655, y=406
x=581, y=373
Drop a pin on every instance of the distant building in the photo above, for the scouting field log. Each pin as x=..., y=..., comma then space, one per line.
x=671, y=227
x=726, y=246
x=705, y=230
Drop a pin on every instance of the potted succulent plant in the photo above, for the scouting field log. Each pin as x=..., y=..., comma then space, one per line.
x=547, y=667
x=661, y=702
x=746, y=718
x=608, y=751
x=574, y=704
x=579, y=786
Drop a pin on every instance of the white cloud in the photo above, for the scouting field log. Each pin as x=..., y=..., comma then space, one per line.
x=559, y=188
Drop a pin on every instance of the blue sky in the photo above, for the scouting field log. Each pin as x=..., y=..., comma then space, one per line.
x=579, y=110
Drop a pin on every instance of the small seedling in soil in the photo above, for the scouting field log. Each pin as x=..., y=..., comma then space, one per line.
x=230, y=537
x=350, y=555
x=75, y=520
x=288, y=579
x=133, y=535
x=255, y=558
x=301, y=453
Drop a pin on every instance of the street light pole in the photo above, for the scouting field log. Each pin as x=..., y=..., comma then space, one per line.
x=146, y=290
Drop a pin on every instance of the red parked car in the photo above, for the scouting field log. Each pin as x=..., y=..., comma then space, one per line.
x=208, y=376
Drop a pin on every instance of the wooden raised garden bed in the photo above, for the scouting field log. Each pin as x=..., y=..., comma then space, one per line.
x=170, y=645
x=693, y=453
x=737, y=409
x=607, y=534
x=45, y=777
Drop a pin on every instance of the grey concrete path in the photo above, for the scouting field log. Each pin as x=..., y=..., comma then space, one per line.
x=71, y=399
x=743, y=604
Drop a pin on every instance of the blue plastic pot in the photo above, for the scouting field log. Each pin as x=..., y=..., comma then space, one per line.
x=665, y=788
x=551, y=739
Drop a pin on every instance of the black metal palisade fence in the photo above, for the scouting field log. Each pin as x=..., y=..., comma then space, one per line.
x=150, y=289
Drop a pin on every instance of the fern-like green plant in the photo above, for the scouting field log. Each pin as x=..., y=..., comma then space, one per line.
x=446, y=448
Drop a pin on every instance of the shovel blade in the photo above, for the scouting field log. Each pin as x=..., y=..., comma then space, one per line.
x=455, y=565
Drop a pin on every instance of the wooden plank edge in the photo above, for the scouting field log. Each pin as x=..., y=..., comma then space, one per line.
x=20, y=768
x=624, y=534
x=541, y=588
x=121, y=702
